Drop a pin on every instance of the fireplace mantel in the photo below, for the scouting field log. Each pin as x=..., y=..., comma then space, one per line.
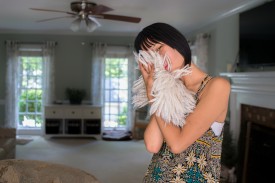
x=251, y=88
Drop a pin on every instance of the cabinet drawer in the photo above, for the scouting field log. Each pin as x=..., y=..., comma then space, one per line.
x=94, y=113
x=54, y=113
x=73, y=113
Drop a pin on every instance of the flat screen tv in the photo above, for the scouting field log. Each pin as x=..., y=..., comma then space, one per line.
x=257, y=36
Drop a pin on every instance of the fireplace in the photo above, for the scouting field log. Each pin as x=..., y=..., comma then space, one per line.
x=252, y=123
x=256, y=144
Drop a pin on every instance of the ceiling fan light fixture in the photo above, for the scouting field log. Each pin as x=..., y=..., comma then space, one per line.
x=88, y=12
x=91, y=25
x=75, y=26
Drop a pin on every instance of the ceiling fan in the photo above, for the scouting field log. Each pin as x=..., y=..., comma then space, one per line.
x=89, y=12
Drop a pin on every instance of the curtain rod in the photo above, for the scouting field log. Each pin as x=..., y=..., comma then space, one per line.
x=110, y=44
x=31, y=42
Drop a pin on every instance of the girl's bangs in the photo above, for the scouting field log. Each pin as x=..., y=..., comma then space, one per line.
x=148, y=43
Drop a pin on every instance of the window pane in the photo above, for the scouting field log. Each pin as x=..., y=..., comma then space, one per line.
x=116, y=92
x=122, y=117
x=31, y=106
x=108, y=83
x=123, y=82
x=113, y=108
x=38, y=120
x=107, y=96
x=28, y=121
x=39, y=106
x=24, y=81
x=123, y=95
x=38, y=83
x=115, y=96
x=21, y=119
x=30, y=103
x=22, y=106
x=23, y=95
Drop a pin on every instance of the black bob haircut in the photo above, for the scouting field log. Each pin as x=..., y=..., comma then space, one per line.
x=162, y=32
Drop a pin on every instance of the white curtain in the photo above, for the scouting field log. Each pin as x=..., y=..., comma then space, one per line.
x=200, y=51
x=48, y=55
x=12, y=53
x=133, y=75
x=99, y=53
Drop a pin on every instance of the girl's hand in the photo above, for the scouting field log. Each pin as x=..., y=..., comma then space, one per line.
x=147, y=74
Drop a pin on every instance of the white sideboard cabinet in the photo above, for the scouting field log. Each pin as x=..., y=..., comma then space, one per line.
x=72, y=120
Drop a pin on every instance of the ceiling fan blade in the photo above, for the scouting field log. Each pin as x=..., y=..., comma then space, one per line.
x=120, y=18
x=98, y=9
x=58, y=11
x=44, y=20
x=94, y=20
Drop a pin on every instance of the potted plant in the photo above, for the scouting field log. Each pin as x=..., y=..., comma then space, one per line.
x=75, y=96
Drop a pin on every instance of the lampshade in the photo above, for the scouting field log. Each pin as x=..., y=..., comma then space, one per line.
x=91, y=26
x=75, y=26
x=91, y=23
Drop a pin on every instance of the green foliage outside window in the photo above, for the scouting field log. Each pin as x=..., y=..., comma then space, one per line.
x=30, y=102
x=122, y=117
x=116, y=71
x=30, y=97
x=116, y=68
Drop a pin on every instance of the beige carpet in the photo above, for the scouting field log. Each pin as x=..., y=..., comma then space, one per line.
x=108, y=161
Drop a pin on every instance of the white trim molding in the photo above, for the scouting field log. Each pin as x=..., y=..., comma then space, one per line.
x=251, y=88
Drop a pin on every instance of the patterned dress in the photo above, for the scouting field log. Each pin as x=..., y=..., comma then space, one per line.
x=199, y=163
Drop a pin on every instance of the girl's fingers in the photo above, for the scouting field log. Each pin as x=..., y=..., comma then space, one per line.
x=143, y=69
x=151, y=68
x=146, y=71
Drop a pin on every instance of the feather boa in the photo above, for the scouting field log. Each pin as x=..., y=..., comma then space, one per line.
x=171, y=99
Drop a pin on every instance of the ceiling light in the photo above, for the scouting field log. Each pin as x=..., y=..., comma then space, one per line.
x=91, y=23
x=75, y=26
x=91, y=26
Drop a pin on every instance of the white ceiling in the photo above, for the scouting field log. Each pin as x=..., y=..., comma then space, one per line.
x=186, y=15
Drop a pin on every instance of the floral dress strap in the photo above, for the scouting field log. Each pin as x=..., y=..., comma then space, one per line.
x=202, y=85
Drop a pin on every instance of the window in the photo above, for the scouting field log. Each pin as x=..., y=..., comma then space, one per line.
x=29, y=84
x=115, y=93
x=30, y=92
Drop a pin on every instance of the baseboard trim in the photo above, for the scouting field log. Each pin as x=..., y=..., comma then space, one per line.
x=29, y=132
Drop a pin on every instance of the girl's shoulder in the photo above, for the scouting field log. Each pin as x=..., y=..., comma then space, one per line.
x=219, y=82
x=217, y=85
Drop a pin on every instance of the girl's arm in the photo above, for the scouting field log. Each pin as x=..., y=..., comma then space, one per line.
x=212, y=107
x=153, y=138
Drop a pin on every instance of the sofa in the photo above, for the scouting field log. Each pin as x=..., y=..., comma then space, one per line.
x=33, y=171
x=7, y=143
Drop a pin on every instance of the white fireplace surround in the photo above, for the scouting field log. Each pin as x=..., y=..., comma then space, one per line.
x=251, y=88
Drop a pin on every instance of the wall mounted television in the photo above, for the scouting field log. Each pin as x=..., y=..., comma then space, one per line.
x=257, y=36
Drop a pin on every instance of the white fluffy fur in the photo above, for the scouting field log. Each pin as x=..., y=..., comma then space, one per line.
x=172, y=100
